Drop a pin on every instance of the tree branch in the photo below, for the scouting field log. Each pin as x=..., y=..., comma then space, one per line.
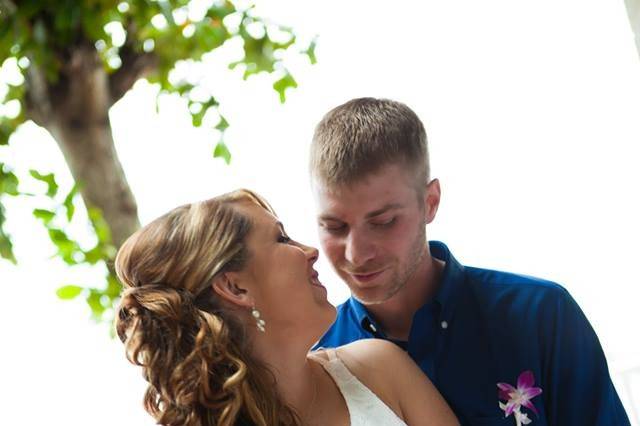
x=134, y=66
x=37, y=100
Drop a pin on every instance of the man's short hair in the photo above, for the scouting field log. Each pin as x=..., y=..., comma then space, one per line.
x=361, y=136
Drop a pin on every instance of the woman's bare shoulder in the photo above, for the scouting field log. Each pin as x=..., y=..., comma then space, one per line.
x=389, y=371
x=369, y=360
x=371, y=353
x=373, y=362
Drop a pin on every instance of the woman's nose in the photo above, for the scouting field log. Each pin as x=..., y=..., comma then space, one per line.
x=311, y=252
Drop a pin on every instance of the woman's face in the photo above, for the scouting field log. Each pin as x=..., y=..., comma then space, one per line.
x=280, y=278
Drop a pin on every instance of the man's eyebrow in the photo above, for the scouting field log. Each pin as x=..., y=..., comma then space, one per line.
x=383, y=209
x=328, y=217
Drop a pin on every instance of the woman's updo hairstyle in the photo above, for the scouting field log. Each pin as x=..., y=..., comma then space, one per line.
x=194, y=354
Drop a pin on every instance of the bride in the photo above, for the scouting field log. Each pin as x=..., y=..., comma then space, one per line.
x=220, y=309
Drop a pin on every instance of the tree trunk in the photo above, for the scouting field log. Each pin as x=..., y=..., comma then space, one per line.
x=633, y=10
x=93, y=161
x=75, y=110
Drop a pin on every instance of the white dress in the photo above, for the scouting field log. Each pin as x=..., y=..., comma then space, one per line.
x=365, y=408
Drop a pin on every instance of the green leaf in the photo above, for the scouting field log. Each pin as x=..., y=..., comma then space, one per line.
x=223, y=124
x=209, y=35
x=69, y=292
x=93, y=26
x=8, y=182
x=8, y=126
x=259, y=52
x=94, y=255
x=45, y=215
x=311, y=52
x=281, y=85
x=15, y=92
x=221, y=151
x=68, y=202
x=49, y=179
x=67, y=249
x=6, y=246
x=258, y=55
x=198, y=116
x=94, y=300
x=114, y=288
x=218, y=12
x=6, y=249
x=6, y=130
x=100, y=225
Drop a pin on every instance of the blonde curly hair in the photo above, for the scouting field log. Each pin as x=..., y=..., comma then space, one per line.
x=194, y=353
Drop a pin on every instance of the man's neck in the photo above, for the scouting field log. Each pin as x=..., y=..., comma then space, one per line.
x=395, y=316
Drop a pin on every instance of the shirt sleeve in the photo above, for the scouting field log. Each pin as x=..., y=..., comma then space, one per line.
x=578, y=389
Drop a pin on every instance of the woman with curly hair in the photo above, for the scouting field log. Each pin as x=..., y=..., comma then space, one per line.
x=220, y=309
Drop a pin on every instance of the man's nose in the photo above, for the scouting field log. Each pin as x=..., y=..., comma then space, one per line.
x=358, y=249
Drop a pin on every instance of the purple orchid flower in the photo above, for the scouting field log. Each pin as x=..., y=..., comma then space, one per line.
x=520, y=396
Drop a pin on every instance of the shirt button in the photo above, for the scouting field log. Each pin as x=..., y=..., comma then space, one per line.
x=444, y=324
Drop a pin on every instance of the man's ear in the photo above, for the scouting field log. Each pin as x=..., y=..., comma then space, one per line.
x=226, y=286
x=431, y=200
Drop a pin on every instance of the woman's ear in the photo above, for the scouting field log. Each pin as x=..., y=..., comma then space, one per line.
x=226, y=286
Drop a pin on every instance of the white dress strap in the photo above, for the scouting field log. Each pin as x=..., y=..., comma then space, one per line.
x=365, y=408
x=331, y=353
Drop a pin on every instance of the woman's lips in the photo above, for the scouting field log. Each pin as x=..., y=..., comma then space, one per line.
x=314, y=280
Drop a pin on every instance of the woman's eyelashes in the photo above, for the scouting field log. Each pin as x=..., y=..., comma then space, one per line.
x=284, y=238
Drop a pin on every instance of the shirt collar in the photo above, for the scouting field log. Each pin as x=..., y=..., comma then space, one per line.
x=362, y=316
x=446, y=296
x=450, y=281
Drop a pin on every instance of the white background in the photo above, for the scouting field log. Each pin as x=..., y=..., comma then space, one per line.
x=531, y=110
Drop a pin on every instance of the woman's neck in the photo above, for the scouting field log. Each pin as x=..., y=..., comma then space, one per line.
x=286, y=358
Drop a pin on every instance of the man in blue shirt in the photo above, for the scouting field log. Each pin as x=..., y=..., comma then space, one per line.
x=501, y=348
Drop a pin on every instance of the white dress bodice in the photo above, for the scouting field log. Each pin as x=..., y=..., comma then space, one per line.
x=365, y=408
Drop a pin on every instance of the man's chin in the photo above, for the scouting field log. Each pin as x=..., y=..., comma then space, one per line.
x=369, y=296
x=374, y=295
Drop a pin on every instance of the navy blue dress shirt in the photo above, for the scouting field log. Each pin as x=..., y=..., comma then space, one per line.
x=483, y=327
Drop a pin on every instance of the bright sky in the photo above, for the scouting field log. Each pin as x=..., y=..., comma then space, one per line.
x=531, y=110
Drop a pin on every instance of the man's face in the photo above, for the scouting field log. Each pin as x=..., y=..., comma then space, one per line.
x=373, y=231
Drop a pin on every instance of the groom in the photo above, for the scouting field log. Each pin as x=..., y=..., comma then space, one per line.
x=495, y=344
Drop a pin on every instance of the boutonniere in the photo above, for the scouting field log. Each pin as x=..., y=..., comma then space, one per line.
x=518, y=397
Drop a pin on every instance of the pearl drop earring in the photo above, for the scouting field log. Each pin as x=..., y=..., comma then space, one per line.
x=259, y=321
